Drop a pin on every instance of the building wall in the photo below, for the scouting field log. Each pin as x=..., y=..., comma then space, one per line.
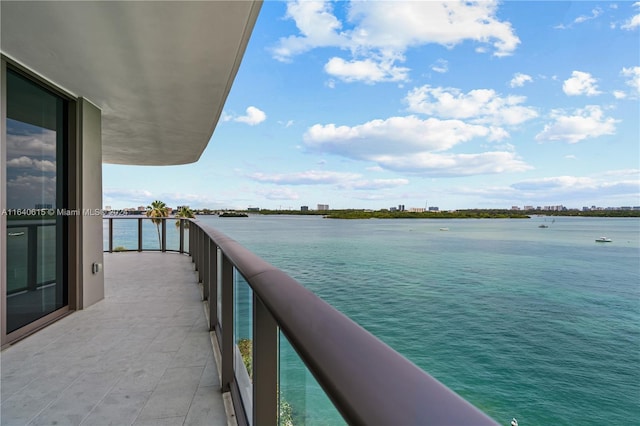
x=91, y=143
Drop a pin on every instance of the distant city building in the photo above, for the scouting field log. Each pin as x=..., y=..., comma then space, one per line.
x=393, y=209
x=253, y=209
x=528, y=207
x=323, y=207
x=304, y=208
x=515, y=208
x=434, y=209
x=401, y=207
x=141, y=208
x=417, y=210
x=44, y=206
x=107, y=208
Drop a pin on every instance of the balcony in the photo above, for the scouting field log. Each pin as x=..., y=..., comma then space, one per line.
x=142, y=356
x=165, y=346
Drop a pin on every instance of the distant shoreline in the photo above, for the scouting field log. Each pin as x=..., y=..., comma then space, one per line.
x=458, y=214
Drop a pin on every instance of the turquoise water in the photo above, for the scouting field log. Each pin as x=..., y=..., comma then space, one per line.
x=537, y=324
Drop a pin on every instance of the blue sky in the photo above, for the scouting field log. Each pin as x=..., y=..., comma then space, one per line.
x=449, y=104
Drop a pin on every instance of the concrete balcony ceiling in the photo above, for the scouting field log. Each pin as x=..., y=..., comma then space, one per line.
x=160, y=71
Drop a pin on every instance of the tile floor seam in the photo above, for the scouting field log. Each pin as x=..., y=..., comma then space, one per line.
x=31, y=419
x=99, y=401
x=194, y=395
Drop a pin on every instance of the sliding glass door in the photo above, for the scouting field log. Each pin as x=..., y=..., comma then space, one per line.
x=36, y=143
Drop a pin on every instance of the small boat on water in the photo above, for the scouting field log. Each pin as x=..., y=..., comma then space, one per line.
x=444, y=229
x=603, y=240
x=514, y=422
x=15, y=234
x=543, y=226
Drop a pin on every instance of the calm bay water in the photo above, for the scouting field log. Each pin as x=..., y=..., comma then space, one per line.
x=538, y=324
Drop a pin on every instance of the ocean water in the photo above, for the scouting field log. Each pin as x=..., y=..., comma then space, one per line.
x=538, y=324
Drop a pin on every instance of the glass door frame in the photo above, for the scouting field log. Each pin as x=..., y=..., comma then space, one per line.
x=70, y=231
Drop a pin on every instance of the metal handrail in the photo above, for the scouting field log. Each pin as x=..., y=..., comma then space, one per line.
x=368, y=382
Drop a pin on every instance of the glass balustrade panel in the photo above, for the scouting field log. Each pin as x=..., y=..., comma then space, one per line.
x=302, y=401
x=243, y=339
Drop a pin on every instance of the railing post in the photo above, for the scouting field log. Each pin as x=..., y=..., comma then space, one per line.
x=195, y=253
x=265, y=365
x=139, y=234
x=163, y=246
x=227, y=350
x=213, y=285
x=32, y=257
x=192, y=230
x=110, y=235
x=205, y=267
x=201, y=237
x=181, y=236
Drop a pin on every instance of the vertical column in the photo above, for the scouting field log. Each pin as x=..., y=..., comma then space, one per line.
x=227, y=323
x=32, y=257
x=139, y=234
x=213, y=285
x=205, y=267
x=201, y=237
x=110, y=235
x=265, y=365
x=164, y=236
x=181, y=236
x=192, y=230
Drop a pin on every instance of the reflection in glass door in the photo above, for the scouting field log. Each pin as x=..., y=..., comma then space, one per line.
x=36, y=140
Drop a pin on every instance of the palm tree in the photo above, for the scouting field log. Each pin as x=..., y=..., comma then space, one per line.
x=184, y=213
x=157, y=209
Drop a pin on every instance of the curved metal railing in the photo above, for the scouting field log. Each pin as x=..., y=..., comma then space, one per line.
x=367, y=381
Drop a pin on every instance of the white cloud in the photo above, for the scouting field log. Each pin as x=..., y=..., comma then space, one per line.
x=444, y=165
x=317, y=25
x=580, y=83
x=607, y=187
x=634, y=81
x=480, y=105
x=559, y=187
x=341, y=180
x=254, y=116
x=619, y=94
x=412, y=145
x=42, y=143
x=374, y=184
x=401, y=135
x=32, y=163
x=311, y=177
x=584, y=18
x=280, y=194
x=588, y=122
x=381, y=32
x=24, y=189
x=633, y=22
x=520, y=79
x=367, y=71
x=581, y=19
x=441, y=66
x=21, y=162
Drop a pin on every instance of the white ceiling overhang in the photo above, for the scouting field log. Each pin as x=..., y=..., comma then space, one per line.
x=160, y=71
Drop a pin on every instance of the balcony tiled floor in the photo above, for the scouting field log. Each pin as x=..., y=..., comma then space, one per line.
x=142, y=356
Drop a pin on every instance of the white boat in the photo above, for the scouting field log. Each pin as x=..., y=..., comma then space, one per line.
x=444, y=229
x=603, y=240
